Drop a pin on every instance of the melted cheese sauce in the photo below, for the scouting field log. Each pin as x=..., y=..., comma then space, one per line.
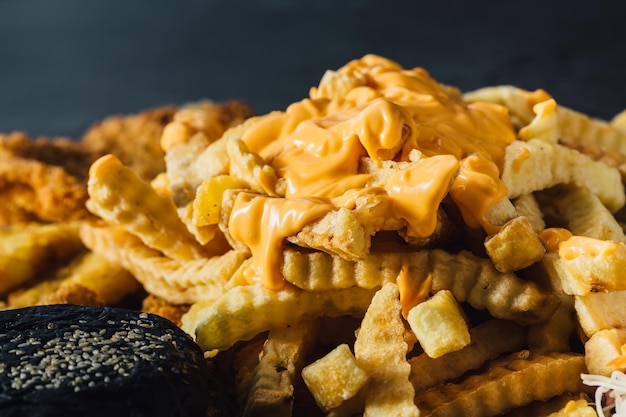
x=384, y=112
x=577, y=246
x=553, y=236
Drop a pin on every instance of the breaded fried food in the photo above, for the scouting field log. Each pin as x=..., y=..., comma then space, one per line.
x=134, y=139
x=159, y=306
x=42, y=179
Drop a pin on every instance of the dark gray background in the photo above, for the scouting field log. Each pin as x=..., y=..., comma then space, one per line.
x=65, y=64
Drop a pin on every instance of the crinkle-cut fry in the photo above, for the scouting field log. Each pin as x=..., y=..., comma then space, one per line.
x=519, y=102
x=486, y=344
x=28, y=249
x=467, y=276
x=175, y=281
x=585, y=214
x=348, y=231
x=554, y=334
x=476, y=281
x=119, y=196
x=515, y=246
x=512, y=383
x=251, y=169
x=339, y=232
x=545, y=125
x=537, y=165
x=603, y=347
x=245, y=311
x=579, y=130
x=316, y=270
x=380, y=350
x=282, y=360
x=526, y=205
x=600, y=310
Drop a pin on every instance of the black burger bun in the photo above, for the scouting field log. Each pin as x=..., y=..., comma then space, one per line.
x=69, y=360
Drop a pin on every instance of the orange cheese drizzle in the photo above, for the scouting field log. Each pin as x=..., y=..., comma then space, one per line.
x=553, y=236
x=577, y=246
x=411, y=292
x=278, y=218
x=315, y=147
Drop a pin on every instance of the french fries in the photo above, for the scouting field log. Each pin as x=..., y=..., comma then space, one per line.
x=335, y=378
x=387, y=246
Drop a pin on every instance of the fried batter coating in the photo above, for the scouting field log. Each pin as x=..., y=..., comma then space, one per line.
x=42, y=179
x=159, y=306
x=134, y=139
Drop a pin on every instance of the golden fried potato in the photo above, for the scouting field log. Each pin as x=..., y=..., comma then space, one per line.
x=439, y=324
x=273, y=385
x=509, y=383
x=486, y=344
x=515, y=246
x=27, y=250
x=118, y=195
x=604, y=351
x=134, y=139
x=380, y=350
x=334, y=378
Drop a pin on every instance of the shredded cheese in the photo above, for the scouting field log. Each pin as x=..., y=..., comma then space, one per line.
x=615, y=389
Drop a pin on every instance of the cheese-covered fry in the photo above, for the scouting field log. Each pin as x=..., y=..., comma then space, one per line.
x=453, y=228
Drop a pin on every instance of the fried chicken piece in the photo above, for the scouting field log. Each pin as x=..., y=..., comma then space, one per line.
x=44, y=179
x=32, y=190
x=156, y=305
x=60, y=152
x=134, y=139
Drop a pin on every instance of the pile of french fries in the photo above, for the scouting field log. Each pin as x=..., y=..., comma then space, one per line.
x=388, y=246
